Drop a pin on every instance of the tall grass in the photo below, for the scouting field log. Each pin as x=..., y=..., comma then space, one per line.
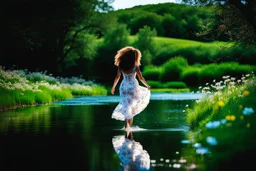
x=20, y=87
x=223, y=123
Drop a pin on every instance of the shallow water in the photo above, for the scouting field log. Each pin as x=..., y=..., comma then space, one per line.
x=77, y=134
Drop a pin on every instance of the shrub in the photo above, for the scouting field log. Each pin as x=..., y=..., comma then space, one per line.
x=175, y=84
x=152, y=72
x=190, y=76
x=155, y=84
x=173, y=68
x=217, y=71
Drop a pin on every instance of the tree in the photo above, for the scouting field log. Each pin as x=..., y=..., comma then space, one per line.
x=146, y=44
x=40, y=34
x=235, y=18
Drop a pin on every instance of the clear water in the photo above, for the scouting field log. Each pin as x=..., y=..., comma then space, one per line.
x=77, y=134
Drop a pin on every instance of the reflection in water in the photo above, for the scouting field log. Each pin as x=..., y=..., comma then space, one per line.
x=133, y=156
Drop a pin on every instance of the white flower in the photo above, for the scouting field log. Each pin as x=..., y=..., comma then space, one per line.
x=197, y=145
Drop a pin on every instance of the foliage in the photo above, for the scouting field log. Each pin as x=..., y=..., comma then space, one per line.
x=151, y=72
x=84, y=47
x=170, y=90
x=169, y=19
x=234, y=18
x=216, y=71
x=149, y=19
x=117, y=37
x=51, y=34
x=190, y=76
x=146, y=44
x=20, y=88
x=171, y=84
x=113, y=40
x=172, y=69
x=228, y=107
x=200, y=52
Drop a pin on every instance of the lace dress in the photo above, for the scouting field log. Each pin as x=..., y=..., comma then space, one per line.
x=131, y=153
x=134, y=98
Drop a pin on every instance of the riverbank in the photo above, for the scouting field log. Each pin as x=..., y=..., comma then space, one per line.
x=19, y=88
x=222, y=125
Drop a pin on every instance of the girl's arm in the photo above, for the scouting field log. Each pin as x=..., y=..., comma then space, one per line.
x=116, y=81
x=141, y=77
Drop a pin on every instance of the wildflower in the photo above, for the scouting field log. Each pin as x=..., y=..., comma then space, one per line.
x=230, y=117
x=246, y=93
x=241, y=117
x=248, y=125
x=202, y=150
x=248, y=111
x=185, y=141
x=220, y=103
x=240, y=106
x=197, y=145
x=216, y=108
x=211, y=140
x=212, y=124
x=223, y=121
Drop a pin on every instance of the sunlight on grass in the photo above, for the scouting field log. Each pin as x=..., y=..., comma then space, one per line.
x=223, y=120
x=19, y=88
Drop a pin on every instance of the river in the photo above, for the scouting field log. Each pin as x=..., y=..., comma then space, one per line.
x=79, y=134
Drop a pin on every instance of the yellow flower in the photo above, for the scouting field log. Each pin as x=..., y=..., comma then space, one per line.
x=216, y=107
x=232, y=117
x=220, y=103
x=241, y=117
x=246, y=93
x=228, y=117
x=240, y=106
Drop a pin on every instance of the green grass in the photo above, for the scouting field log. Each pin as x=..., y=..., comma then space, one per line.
x=169, y=90
x=234, y=132
x=19, y=88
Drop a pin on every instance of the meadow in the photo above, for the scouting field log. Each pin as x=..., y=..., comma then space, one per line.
x=23, y=88
x=222, y=124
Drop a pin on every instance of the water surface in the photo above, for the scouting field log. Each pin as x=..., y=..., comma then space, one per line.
x=77, y=134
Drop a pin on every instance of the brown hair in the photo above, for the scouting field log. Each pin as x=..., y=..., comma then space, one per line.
x=127, y=57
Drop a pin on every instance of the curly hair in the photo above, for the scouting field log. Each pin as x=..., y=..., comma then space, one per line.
x=127, y=57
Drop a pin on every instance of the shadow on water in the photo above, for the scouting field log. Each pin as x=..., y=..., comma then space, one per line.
x=78, y=134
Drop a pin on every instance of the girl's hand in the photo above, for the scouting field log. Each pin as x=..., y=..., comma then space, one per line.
x=148, y=87
x=113, y=91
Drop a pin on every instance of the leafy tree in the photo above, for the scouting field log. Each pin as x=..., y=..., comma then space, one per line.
x=146, y=44
x=44, y=32
x=235, y=18
x=103, y=64
x=147, y=19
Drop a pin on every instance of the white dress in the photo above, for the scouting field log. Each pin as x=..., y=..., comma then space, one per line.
x=132, y=155
x=134, y=98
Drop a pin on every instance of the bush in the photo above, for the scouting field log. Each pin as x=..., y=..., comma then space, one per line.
x=152, y=72
x=175, y=84
x=190, y=76
x=216, y=72
x=173, y=68
x=155, y=84
x=171, y=84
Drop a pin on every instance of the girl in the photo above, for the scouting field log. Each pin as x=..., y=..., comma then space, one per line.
x=134, y=98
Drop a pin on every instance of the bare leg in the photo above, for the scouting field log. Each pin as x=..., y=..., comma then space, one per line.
x=127, y=124
x=130, y=121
